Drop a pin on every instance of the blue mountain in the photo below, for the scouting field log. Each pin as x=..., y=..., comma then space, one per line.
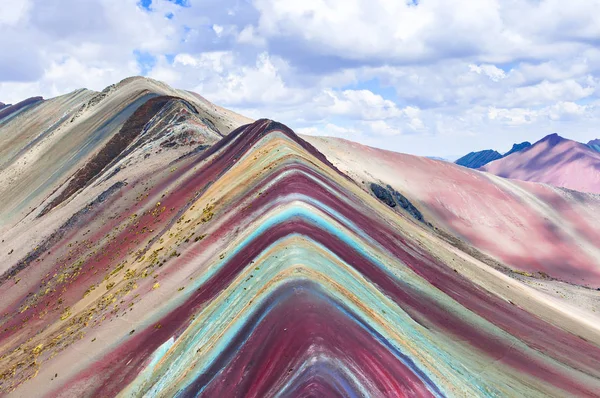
x=475, y=160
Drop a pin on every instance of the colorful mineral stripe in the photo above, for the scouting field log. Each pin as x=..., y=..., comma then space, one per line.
x=249, y=264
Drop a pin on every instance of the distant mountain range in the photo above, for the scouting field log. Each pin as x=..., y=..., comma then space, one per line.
x=475, y=160
x=553, y=160
x=438, y=158
x=594, y=144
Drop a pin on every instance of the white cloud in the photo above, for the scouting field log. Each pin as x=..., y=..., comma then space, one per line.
x=381, y=127
x=495, y=74
x=213, y=62
x=494, y=30
x=60, y=45
x=357, y=104
x=331, y=130
x=14, y=11
x=438, y=78
x=566, y=111
x=218, y=29
x=548, y=92
x=248, y=36
x=414, y=116
x=257, y=84
x=512, y=116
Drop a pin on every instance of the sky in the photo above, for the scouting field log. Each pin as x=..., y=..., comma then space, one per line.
x=427, y=77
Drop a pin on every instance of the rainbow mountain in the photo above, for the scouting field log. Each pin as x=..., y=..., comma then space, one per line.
x=155, y=244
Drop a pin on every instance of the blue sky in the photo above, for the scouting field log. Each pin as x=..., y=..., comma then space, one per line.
x=431, y=77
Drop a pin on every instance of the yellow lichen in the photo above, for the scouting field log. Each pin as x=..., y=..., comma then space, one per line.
x=66, y=313
x=37, y=350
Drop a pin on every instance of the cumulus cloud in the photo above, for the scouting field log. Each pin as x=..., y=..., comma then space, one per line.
x=52, y=47
x=430, y=77
x=12, y=12
x=494, y=73
x=331, y=130
x=566, y=111
x=357, y=104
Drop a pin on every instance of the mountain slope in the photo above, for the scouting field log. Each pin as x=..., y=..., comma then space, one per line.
x=502, y=218
x=256, y=266
x=553, y=160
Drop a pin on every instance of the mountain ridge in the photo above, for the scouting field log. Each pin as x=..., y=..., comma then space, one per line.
x=475, y=160
x=518, y=148
x=594, y=144
x=553, y=160
x=88, y=120
x=10, y=111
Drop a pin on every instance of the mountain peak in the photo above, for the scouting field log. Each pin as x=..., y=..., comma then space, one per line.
x=475, y=160
x=518, y=147
x=594, y=142
x=553, y=160
x=552, y=139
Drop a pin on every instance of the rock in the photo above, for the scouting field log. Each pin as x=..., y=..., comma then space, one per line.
x=382, y=194
x=406, y=205
x=391, y=197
